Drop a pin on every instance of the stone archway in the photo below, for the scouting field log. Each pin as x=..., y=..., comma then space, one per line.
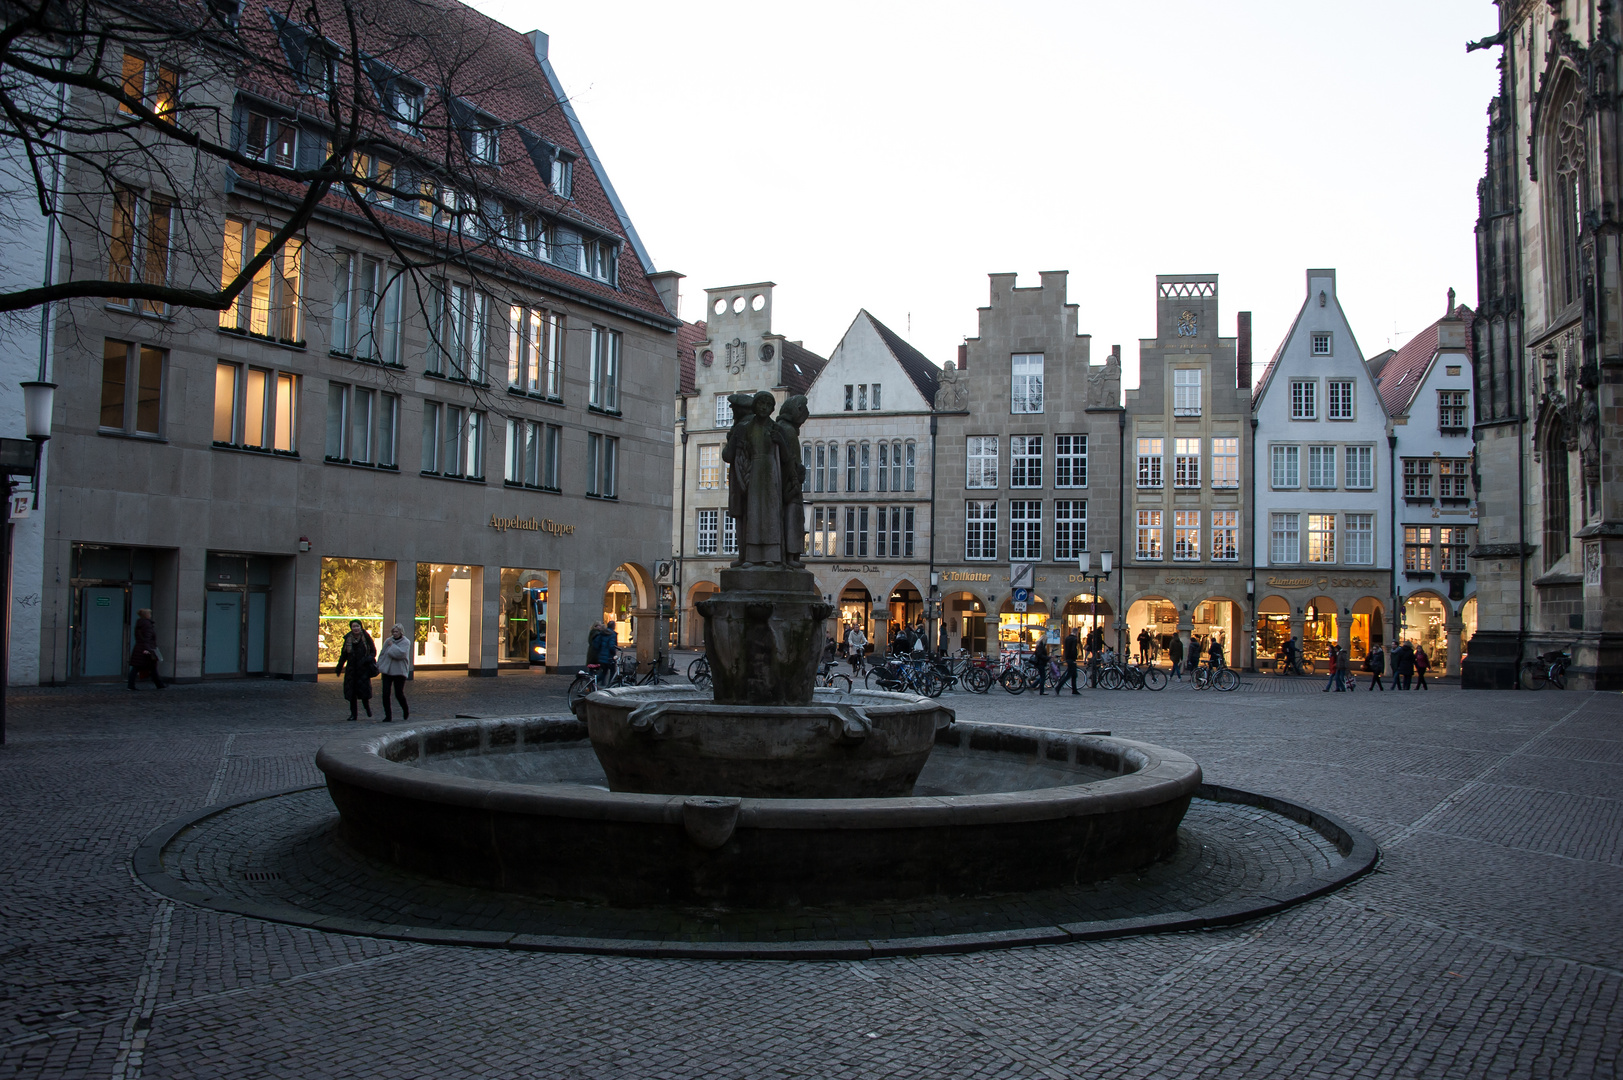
x=1275, y=626
x=628, y=597
x=1153, y=616
x=964, y=615
x=1220, y=618
x=700, y=590
x=1426, y=616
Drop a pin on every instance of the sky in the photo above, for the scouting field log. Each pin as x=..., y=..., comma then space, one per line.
x=889, y=156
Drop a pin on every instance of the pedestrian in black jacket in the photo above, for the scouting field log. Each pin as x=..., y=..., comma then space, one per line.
x=1070, y=651
x=357, y=663
x=1403, y=666
x=1039, y=656
x=1376, y=662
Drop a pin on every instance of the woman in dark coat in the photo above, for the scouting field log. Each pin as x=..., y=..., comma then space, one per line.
x=357, y=663
x=144, y=656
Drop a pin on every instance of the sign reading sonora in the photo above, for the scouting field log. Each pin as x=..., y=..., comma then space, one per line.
x=530, y=524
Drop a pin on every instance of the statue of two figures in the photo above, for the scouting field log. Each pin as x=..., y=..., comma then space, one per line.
x=763, y=496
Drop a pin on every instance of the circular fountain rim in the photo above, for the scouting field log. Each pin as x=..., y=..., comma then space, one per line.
x=1161, y=774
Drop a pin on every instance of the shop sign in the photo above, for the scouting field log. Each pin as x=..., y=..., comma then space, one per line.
x=1171, y=580
x=1324, y=583
x=963, y=575
x=1289, y=582
x=530, y=524
x=854, y=568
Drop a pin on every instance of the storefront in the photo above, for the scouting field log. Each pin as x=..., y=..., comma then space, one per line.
x=1081, y=615
x=351, y=589
x=617, y=607
x=906, y=607
x=855, y=610
x=524, y=616
x=1021, y=630
x=1327, y=610
x=444, y=613
x=1425, y=624
x=1155, y=615
x=110, y=584
x=965, y=617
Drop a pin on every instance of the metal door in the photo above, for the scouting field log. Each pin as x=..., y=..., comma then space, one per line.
x=103, y=618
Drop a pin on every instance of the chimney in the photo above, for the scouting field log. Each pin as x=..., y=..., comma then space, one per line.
x=1242, y=350
x=963, y=356
x=668, y=284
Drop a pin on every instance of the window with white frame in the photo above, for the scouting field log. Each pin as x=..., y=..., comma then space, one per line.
x=1026, y=383
x=980, y=529
x=710, y=468
x=1225, y=535
x=1186, y=536
x=729, y=534
x=1321, y=343
x=851, y=532
x=366, y=310
x=805, y=467
x=1358, y=539
x=861, y=530
x=1025, y=463
x=1287, y=467
x=526, y=350
x=1418, y=557
x=271, y=140
x=825, y=531
x=563, y=177
x=881, y=534
x=139, y=244
x=1321, y=538
x=1225, y=462
x=1149, y=462
x=1417, y=478
x=1321, y=466
x=1453, y=550
x=1070, y=528
x=708, y=541
x=603, y=261
x=1186, y=463
x=362, y=425
x=532, y=454
x=909, y=470
x=1451, y=410
x=603, y=384
x=1186, y=392
x=1452, y=478
x=1285, y=538
x=1360, y=467
x=453, y=441
x=1149, y=534
x=1025, y=529
x=157, y=86
x=602, y=466
x=981, y=471
x=255, y=408
x=819, y=467
x=270, y=306
x=132, y=388
x=1304, y=399
x=1070, y=461
x=1341, y=399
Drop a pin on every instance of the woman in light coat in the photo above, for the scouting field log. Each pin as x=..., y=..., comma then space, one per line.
x=395, y=658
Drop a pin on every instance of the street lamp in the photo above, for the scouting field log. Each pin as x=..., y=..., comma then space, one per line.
x=1084, y=563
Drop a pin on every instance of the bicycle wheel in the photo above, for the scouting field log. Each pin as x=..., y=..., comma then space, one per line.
x=978, y=680
x=878, y=678
x=1154, y=678
x=1203, y=678
x=1013, y=681
x=1558, y=677
x=837, y=681
x=931, y=683
x=578, y=689
x=1228, y=679
x=1132, y=678
x=1534, y=675
x=1110, y=678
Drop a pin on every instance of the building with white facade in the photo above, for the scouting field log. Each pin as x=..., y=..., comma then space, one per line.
x=1426, y=389
x=1323, y=488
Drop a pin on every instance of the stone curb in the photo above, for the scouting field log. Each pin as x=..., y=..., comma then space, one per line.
x=1359, y=856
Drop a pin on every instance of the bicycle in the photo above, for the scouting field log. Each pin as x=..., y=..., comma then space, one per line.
x=699, y=672
x=594, y=677
x=834, y=680
x=898, y=676
x=1224, y=678
x=1550, y=667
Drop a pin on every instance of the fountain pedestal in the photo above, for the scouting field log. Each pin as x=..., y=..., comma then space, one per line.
x=764, y=635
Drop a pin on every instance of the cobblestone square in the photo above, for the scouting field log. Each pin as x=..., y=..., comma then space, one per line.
x=1488, y=942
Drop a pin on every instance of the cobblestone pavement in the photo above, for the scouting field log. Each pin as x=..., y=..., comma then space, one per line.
x=1488, y=943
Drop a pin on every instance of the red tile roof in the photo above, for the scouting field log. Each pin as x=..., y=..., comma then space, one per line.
x=688, y=335
x=1405, y=370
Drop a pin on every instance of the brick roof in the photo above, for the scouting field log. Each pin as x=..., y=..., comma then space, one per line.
x=1403, y=373
x=462, y=58
x=688, y=336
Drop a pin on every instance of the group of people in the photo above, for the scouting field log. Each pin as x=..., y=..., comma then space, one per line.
x=360, y=660
x=1407, y=662
x=1210, y=648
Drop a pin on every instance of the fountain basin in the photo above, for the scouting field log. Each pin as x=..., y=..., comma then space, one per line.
x=517, y=805
x=674, y=740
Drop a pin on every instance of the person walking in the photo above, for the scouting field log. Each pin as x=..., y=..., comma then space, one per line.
x=1039, y=657
x=1421, y=663
x=395, y=658
x=1376, y=662
x=144, y=656
x=1070, y=649
x=1196, y=648
x=941, y=639
x=1175, y=651
x=1405, y=664
x=1335, y=670
x=1215, y=656
x=357, y=663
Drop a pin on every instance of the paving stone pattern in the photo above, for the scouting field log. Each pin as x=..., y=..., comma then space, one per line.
x=1488, y=943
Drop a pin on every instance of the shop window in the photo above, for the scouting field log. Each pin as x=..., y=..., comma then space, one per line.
x=350, y=589
x=255, y=408
x=445, y=612
x=132, y=388
x=522, y=635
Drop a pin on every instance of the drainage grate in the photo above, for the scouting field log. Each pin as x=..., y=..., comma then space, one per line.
x=264, y=875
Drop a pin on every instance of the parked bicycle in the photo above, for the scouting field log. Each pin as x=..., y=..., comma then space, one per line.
x=1550, y=668
x=905, y=677
x=699, y=672
x=1223, y=678
x=828, y=677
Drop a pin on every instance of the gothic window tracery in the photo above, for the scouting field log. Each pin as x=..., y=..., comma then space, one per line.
x=1565, y=205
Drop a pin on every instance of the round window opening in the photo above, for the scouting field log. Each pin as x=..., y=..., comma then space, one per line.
x=721, y=305
x=758, y=302
x=738, y=304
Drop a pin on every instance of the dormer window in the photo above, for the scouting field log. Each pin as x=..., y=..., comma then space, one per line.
x=600, y=260
x=563, y=177
x=270, y=140
x=479, y=131
x=312, y=59
x=482, y=146
x=405, y=106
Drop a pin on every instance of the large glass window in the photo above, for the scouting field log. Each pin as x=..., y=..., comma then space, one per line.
x=1225, y=535
x=1417, y=478
x=445, y=612
x=1186, y=462
x=602, y=466
x=1186, y=392
x=1025, y=529
x=1025, y=462
x=1026, y=383
x=603, y=391
x=1454, y=550
x=532, y=454
x=710, y=468
x=1225, y=462
x=1287, y=466
x=980, y=529
x=1321, y=538
x=1186, y=536
x=1149, y=463
x=1321, y=466
x=362, y=425
x=453, y=441
x=274, y=296
x=1285, y=540
x=1070, y=461
x=1417, y=551
x=1341, y=399
x=523, y=633
x=981, y=471
x=1360, y=467
x=366, y=310
x=708, y=534
x=1149, y=534
x=1452, y=477
x=132, y=388
x=1070, y=528
x=349, y=589
x=1359, y=539
x=1304, y=399
x=255, y=408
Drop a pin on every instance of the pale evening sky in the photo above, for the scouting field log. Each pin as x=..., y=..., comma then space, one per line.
x=890, y=155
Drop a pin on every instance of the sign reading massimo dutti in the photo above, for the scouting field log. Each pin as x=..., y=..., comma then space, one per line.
x=530, y=524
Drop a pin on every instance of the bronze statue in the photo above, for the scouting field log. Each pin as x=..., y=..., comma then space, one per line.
x=791, y=414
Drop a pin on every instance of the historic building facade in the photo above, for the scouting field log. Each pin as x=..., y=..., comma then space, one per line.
x=1324, y=491
x=735, y=350
x=1028, y=460
x=1186, y=565
x=1547, y=343
x=479, y=451
x=1426, y=390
